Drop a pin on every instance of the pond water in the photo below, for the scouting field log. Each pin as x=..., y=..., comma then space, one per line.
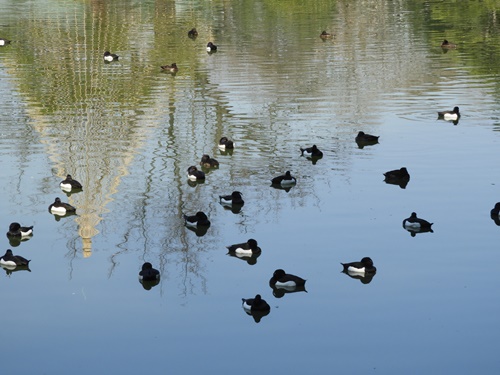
x=128, y=131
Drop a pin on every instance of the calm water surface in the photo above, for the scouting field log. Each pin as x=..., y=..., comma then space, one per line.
x=129, y=131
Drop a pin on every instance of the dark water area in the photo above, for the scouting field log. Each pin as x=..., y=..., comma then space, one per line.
x=128, y=131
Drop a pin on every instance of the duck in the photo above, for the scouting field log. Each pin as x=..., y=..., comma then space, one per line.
x=364, y=266
x=211, y=47
x=193, y=33
x=200, y=219
x=148, y=273
x=495, y=213
x=362, y=137
x=4, y=42
x=108, y=56
x=414, y=223
x=69, y=184
x=255, y=304
x=194, y=174
x=225, y=144
x=325, y=35
x=284, y=180
x=401, y=173
x=284, y=280
x=208, y=162
x=16, y=230
x=447, y=44
x=12, y=260
x=399, y=177
x=311, y=152
x=452, y=115
x=170, y=68
x=248, y=248
x=235, y=198
x=61, y=208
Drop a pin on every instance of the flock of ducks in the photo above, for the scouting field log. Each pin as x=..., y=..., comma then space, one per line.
x=281, y=282
x=172, y=68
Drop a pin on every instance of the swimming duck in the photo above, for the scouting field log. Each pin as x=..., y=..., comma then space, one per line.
x=255, y=304
x=61, y=208
x=200, y=219
x=12, y=260
x=108, y=57
x=208, y=162
x=193, y=33
x=362, y=137
x=225, y=144
x=495, y=213
x=69, y=184
x=16, y=230
x=4, y=42
x=448, y=45
x=195, y=175
x=148, y=273
x=364, y=266
x=170, y=68
x=248, y=248
x=325, y=35
x=401, y=173
x=399, y=177
x=453, y=115
x=211, y=47
x=414, y=223
x=235, y=198
x=284, y=180
x=284, y=280
x=311, y=152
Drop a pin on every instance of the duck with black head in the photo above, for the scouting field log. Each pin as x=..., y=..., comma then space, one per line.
x=61, y=208
x=109, y=57
x=11, y=260
x=415, y=224
x=257, y=307
x=69, y=184
x=225, y=144
x=208, y=162
x=453, y=115
x=195, y=175
x=311, y=152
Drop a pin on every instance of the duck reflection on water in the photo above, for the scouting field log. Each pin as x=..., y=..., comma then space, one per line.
x=9, y=270
x=365, y=278
x=250, y=259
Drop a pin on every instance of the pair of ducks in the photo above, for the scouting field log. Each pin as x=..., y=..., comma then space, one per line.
x=257, y=307
x=62, y=208
x=193, y=34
